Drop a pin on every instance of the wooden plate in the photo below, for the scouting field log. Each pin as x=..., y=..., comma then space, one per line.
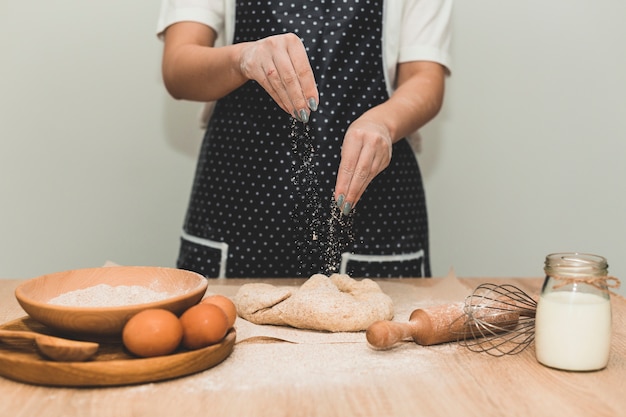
x=111, y=366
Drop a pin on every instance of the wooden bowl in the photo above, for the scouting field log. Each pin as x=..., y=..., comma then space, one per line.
x=182, y=290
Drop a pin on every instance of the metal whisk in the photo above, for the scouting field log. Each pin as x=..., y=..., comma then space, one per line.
x=499, y=320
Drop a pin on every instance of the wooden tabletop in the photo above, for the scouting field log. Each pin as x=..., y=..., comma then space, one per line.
x=279, y=378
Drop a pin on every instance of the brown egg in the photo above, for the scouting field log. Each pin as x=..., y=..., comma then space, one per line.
x=203, y=324
x=225, y=304
x=152, y=332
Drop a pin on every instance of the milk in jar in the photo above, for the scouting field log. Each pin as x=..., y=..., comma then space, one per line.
x=573, y=317
x=573, y=331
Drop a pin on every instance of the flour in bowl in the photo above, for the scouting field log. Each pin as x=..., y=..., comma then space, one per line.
x=104, y=295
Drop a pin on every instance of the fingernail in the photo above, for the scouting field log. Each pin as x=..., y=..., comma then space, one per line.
x=312, y=104
x=340, y=200
x=346, y=209
x=303, y=116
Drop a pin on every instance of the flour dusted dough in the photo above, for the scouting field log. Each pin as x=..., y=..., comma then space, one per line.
x=337, y=304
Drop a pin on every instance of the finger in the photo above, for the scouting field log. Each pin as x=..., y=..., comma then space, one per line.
x=298, y=79
x=361, y=161
x=305, y=76
x=365, y=171
x=347, y=166
x=272, y=83
x=288, y=86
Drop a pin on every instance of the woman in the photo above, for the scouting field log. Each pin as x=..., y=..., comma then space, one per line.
x=359, y=77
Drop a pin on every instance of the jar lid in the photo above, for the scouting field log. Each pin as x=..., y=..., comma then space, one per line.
x=576, y=263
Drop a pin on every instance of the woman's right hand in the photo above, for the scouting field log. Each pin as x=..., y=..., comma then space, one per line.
x=280, y=64
x=194, y=69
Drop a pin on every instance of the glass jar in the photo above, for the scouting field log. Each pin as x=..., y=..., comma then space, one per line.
x=573, y=318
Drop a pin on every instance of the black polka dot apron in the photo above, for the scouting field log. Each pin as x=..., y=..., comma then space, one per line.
x=247, y=208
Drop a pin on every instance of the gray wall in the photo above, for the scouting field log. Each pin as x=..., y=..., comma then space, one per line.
x=527, y=157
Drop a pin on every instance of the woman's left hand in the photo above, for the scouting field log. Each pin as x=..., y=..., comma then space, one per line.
x=366, y=152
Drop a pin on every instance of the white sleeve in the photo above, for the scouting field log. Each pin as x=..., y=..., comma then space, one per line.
x=208, y=12
x=426, y=31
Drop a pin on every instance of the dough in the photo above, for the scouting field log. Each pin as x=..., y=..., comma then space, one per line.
x=337, y=304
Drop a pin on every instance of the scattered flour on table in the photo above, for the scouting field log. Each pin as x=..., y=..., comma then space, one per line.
x=272, y=366
x=104, y=295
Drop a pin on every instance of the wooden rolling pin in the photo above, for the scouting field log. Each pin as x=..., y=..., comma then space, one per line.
x=434, y=325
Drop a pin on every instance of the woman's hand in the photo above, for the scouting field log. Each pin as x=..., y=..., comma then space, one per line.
x=367, y=145
x=365, y=153
x=280, y=64
x=193, y=69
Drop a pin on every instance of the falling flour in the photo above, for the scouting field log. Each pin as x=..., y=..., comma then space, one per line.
x=104, y=295
x=321, y=236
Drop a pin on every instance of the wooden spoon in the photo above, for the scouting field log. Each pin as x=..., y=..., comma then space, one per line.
x=55, y=348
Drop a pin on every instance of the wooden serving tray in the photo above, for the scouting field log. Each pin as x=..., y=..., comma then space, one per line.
x=111, y=366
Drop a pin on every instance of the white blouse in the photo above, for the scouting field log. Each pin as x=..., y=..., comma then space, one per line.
x=413, y=30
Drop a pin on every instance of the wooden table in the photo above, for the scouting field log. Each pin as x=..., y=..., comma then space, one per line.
x=346, y=379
